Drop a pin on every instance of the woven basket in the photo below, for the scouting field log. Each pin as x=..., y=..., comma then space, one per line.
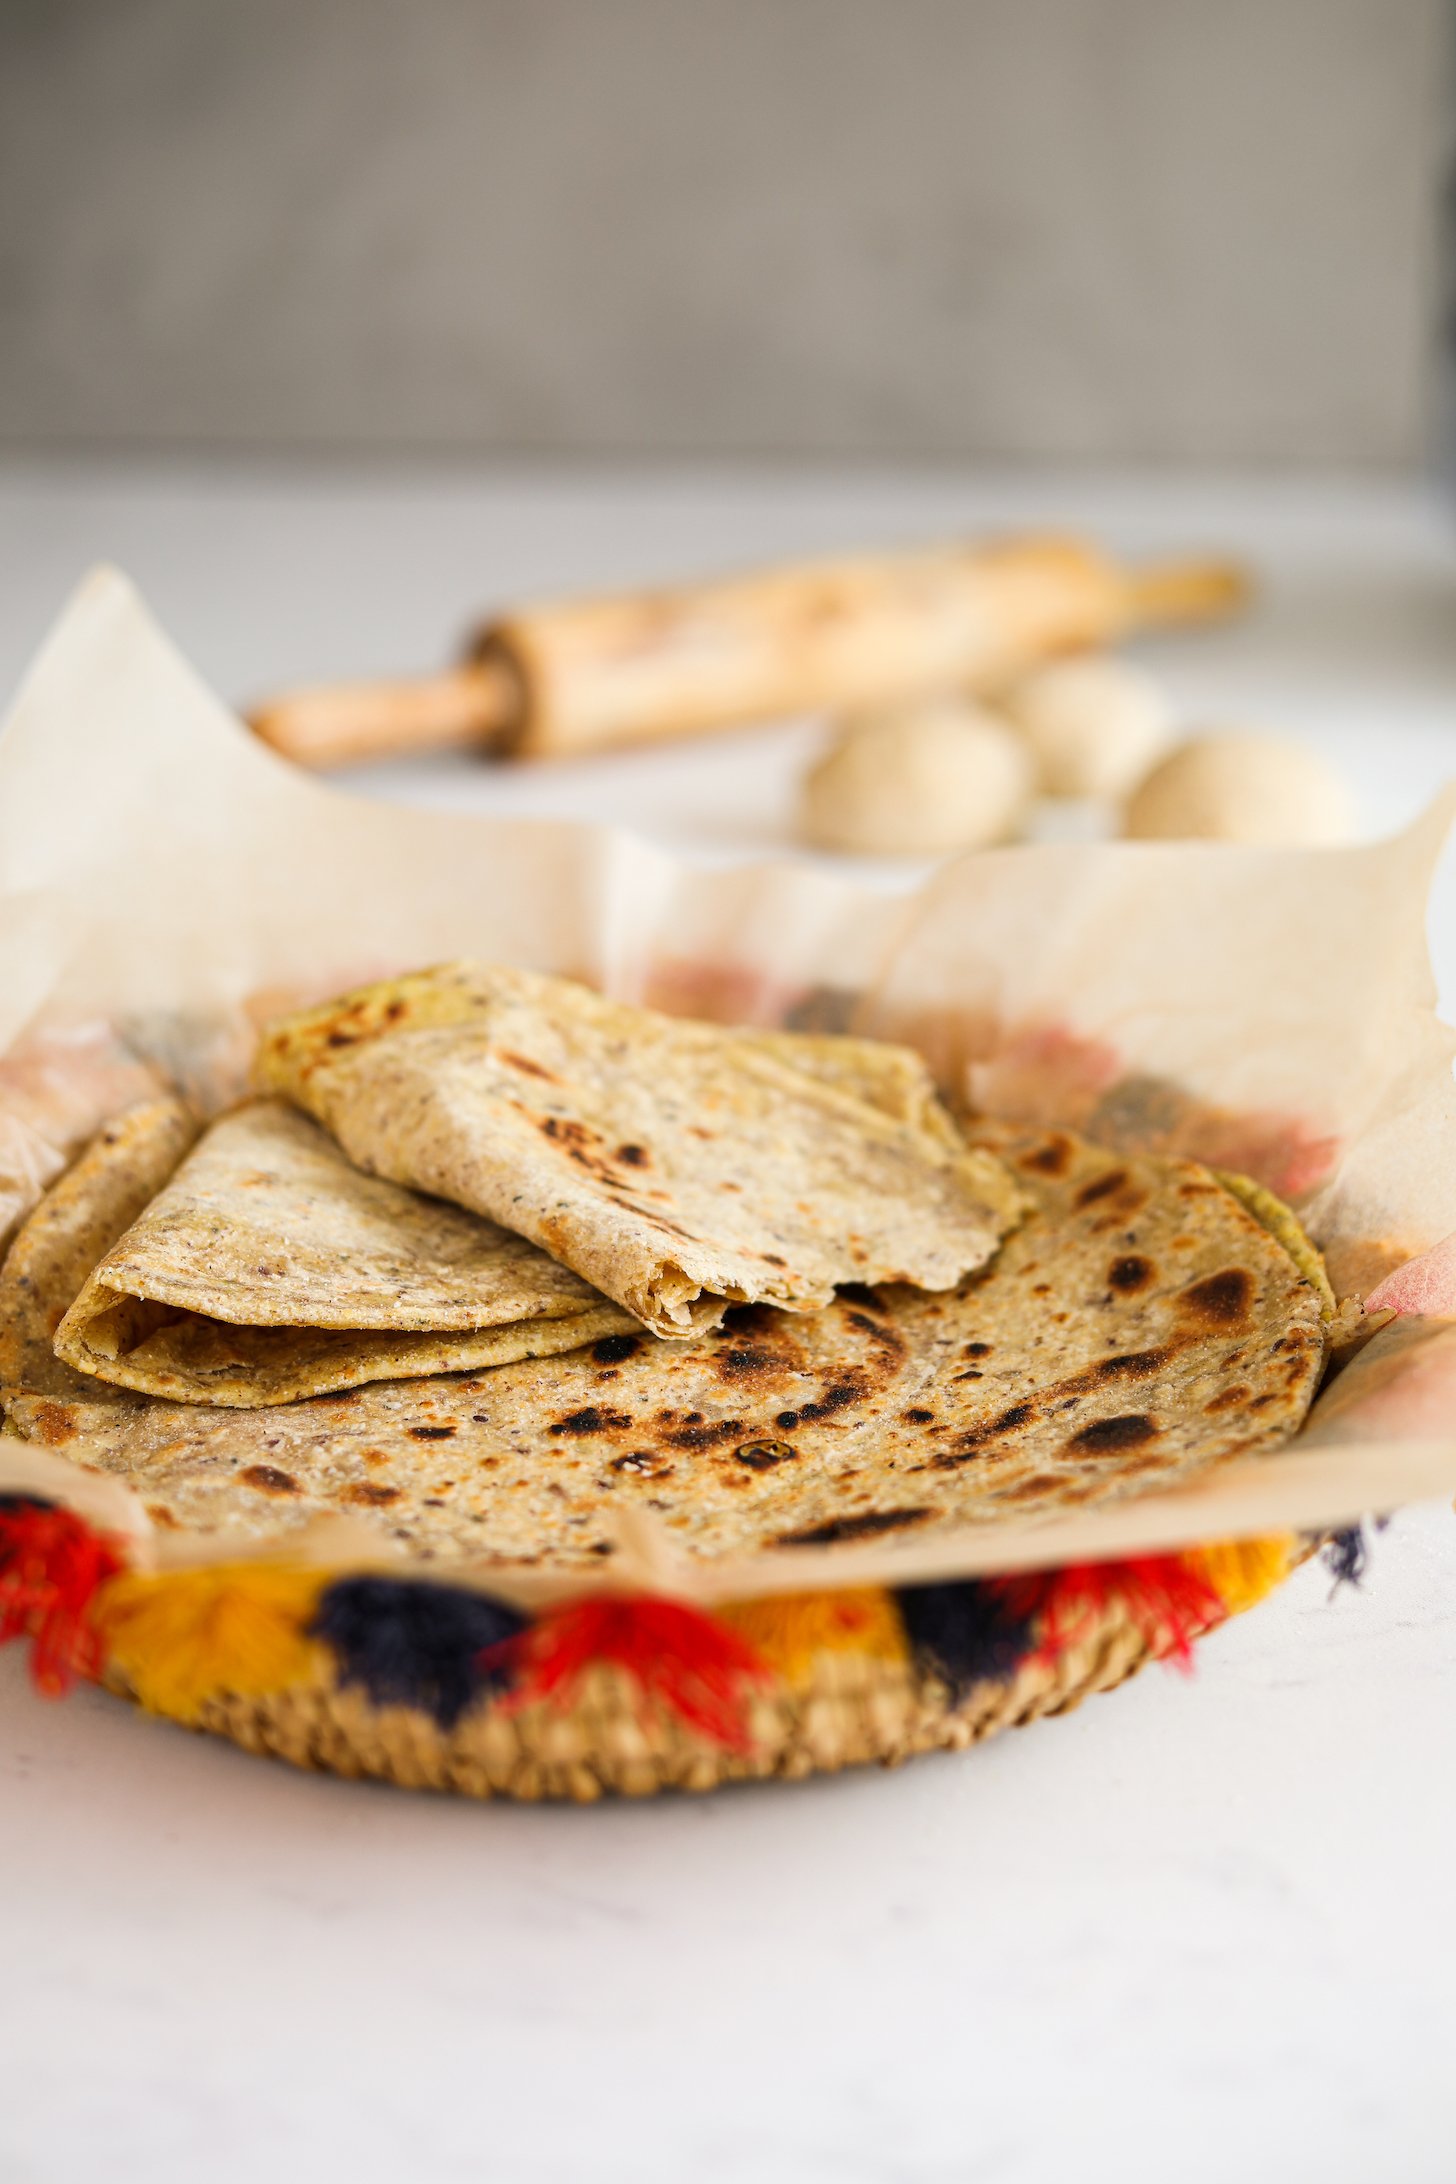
x=853, y=1712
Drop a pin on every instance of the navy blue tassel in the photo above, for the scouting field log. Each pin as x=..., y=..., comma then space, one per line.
x=408, y=1643
x=965, y=1632
x=1346, y=1555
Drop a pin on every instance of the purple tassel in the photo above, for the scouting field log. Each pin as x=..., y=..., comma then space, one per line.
x=965, y=1633
x=409, y=1643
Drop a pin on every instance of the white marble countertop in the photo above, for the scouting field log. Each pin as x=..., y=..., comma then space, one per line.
x=1201, y=1929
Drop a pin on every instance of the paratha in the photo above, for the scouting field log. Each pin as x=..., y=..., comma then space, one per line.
x=676, y=1166
x=1139, y=1327
x=269, y=1268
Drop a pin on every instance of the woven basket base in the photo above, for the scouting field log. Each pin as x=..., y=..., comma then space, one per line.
x=853, y=1712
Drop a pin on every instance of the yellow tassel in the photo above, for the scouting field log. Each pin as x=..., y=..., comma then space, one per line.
x=1242, y=1571
x=791, y=1630
x=182, y=1638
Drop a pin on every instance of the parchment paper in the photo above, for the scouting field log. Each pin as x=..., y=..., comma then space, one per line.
x=166, y=885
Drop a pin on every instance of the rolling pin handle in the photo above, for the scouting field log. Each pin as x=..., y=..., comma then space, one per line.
x=474, y=707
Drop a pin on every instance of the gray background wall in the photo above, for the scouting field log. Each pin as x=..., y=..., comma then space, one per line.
x=1199, y=230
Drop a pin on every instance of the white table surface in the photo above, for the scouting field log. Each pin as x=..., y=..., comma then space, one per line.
x=1202, y=1929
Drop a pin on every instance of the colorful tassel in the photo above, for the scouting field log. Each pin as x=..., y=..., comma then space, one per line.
x=1346, y=1555
x=967, y=1632
x=689, y=1663
x=51, y=1566
x=405, y=1642
x=1167, y=1597
x=791, y=1631
x=1244, y=1571
x=251, y=1628
x=236, y=1627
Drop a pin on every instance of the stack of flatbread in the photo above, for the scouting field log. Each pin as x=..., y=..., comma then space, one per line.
x=494, y=1255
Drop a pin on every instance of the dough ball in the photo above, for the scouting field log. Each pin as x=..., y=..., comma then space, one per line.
x=1237, y=786
x=1093, y=725
x=917, y=780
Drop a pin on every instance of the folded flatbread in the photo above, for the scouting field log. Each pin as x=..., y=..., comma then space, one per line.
x=675, y=1166
x=95, y=1201
x=268, y=1268
x=1139, y=1327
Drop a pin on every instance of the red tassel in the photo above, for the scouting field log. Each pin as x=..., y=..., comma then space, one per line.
x=51, y=1565
x=1168, y=1598
x=686, y=1661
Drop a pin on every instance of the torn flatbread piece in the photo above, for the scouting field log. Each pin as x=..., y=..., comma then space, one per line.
x=676, y=1166
x=1140, y=1327
x=270, y=1269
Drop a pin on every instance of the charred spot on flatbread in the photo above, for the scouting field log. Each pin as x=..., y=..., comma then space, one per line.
x=839, y=1529
x=268, y=1479
x=1223, y=1299
x=615, y=1349
x=1106, y=1436
x=1052, y=1157
x=764, y=1455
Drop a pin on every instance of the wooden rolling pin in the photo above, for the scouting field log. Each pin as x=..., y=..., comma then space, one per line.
x=829, y=636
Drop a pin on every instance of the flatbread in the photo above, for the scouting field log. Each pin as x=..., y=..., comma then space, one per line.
x=95, y=1201
x=676, y=1166
x=270, y=1269
x=1140, y=1327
